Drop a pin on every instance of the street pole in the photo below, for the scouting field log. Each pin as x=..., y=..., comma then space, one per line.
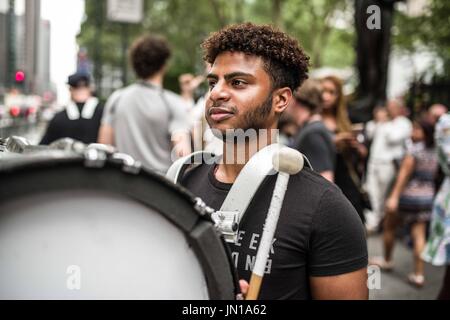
x=11, y=46
x=124, y=54
x=98, y=48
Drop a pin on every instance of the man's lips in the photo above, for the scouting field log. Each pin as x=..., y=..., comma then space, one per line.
x=219, y=114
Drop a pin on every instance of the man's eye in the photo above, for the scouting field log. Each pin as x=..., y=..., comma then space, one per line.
x=238, y=83
x=211, y=84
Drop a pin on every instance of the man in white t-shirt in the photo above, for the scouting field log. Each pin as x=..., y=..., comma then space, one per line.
x=386, y=152
x=145, y=120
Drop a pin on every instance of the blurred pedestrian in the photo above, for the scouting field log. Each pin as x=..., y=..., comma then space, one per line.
x=411, y=199
x=313, y=139
x=386, y=152
x=143, y=119
x=380, y=116
x=81, y=118
x=288, y=128
x=349, y=151
x=188, y=84
x=203, y=137
x=436, y=111
x=437, y=250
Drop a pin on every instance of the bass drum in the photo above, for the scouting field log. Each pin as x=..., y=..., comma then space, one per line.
x=73, y=227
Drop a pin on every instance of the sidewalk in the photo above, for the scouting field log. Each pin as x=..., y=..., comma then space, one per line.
x=394, y=284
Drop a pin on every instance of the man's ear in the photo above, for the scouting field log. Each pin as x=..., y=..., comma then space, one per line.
x=281, y=99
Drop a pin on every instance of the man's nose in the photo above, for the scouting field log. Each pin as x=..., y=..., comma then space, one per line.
x=219, y=92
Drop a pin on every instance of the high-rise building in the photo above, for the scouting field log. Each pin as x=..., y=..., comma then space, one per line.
x=30, y=37
x=43, y=61
x=3, y=52
x=32, y=34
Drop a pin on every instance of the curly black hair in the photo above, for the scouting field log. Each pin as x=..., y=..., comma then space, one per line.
x=284, y=59
x=148, y=54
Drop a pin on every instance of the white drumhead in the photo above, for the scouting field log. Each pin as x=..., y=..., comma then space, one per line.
x=93, y=245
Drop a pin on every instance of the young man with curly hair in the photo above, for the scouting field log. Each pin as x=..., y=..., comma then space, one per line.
x=143, y=119
x=319, y=250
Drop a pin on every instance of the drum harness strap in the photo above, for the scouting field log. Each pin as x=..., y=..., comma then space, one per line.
x=228, y=217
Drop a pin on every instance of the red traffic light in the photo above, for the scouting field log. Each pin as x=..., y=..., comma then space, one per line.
x=20, y=76
x=14, y=111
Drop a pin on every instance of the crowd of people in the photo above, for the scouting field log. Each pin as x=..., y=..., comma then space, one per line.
x=388, y=169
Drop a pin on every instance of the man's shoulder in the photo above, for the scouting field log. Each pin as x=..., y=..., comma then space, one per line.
x=318, y=189
x=119, y=95
x=100, y=108
x=317, y=126
x=126, y=99
x=319, y=129
x=172, y=96
x=130, y=89
x=60, y=116
x=115, y=96
x=194, y=172
x=314, y=129
x=306, y=180
x=313, y=180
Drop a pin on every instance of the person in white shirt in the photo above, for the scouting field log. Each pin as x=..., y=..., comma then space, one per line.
x=143, y=119
x=188, y=83
x=380, y=116
x=386, y=152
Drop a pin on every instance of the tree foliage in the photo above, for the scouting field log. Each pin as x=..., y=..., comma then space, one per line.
x=186, y=23
x=429, y=31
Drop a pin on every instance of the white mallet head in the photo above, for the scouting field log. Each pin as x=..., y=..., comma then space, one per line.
x=288, y=160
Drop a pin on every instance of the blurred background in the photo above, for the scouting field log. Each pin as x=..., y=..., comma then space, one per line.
x=42, y=42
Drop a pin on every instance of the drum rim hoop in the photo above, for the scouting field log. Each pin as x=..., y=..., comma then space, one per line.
x=199, y=233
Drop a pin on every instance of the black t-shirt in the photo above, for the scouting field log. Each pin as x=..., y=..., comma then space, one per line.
x=316, y=143
x=84, y=130
x=318, y=232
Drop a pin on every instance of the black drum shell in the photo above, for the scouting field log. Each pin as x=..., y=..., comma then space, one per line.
x=54, y=170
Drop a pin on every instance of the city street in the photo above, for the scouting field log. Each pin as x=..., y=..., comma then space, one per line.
x=394, y=284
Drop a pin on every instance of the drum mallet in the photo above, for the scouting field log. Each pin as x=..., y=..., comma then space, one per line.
x=287, y=162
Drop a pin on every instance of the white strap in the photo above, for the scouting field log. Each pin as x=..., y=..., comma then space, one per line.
x=177, y=169
x=243, y=189
x=249, y=179
x=72, y=111
x=88, y=109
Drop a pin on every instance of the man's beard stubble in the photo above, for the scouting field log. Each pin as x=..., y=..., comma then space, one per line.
x=253, y=119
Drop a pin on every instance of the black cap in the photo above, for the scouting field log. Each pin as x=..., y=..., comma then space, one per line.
x=79, y=79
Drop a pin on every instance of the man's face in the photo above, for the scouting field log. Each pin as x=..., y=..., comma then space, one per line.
x=185, y=81
x=329, y=94
x=240, y=94
x=80, y=94
x=436, y=111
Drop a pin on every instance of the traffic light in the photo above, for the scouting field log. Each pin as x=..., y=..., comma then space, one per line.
x=20, y=76
x=19, y=79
